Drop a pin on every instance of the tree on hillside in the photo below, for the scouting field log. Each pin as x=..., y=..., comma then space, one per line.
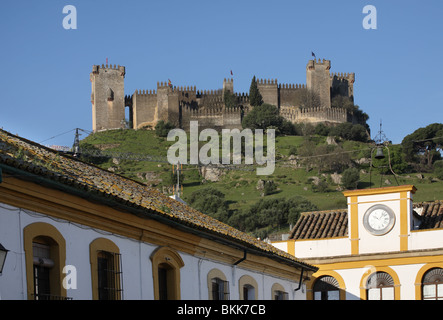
x=255, y=98
x=262, y=117
x=211, y=202
x=349, y=131
x=438, y=169
x=162, y=128
x=424, y=145
x=230, y=99
x=350, y=178
x=347, y=103
x=276, y=212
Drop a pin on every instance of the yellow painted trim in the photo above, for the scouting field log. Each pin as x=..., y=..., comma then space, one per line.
x=354, y=225
x=378, y=260
x=380, y=201
x=247, y=280
x=373, y=269
x=316, y=239
x=419, y=278
x=321, y=273
x=384, y=190
x=276, y=287
x=99, y=244
x=404, y=232
x=291, y=247
x=170, y=257
x=57, y=252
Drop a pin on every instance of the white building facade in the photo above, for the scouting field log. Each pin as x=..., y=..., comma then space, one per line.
x=382, y=247
x=75, y=231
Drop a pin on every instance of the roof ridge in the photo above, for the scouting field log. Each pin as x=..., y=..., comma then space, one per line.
x=72, y=172
x=323, y=211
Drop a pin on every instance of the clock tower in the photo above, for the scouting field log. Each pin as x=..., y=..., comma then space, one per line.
x=380, y=219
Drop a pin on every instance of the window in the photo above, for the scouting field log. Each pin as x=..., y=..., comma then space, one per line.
x=326, y=288
x=42, y=266
x=218, y=287
x=432, y=284
x=380, y=286
x=166, y=264
x=109, y=275
x=248, y=288
x=280, y=295
x=278, y=292
x=248, y=292
x=106, y=270
x=45, y=256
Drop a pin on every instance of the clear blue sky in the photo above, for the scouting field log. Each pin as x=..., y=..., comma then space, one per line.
x=45, y=88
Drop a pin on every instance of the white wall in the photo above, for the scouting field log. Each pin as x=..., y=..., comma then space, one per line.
x=136, y=263
x=322, y=248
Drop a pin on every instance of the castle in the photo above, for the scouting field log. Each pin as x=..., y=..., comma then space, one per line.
x=180, y=105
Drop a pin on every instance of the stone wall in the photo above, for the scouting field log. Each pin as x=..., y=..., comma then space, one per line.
x=180, y=105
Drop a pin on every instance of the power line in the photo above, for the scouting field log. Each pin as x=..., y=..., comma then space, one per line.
x=58, y=135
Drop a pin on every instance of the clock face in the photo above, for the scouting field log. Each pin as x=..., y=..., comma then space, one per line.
x=379, y=219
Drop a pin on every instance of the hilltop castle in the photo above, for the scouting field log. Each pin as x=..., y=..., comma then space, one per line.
x=180, y=105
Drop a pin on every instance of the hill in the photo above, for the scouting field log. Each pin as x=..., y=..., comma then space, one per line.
x=310, y=167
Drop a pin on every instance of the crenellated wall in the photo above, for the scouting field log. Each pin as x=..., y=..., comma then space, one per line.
x=288, y=93
x=182, y=104
x=314, y=115
x=144, y=108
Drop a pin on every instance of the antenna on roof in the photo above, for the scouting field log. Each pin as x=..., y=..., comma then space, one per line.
x=177, y=188
x=76, y=146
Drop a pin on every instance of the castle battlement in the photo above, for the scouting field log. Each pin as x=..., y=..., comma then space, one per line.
x=267, y=81
x=291, y=86
x=181, y=104
x=145, y=92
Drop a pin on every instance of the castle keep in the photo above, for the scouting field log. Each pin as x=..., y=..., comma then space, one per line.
x=180, y=105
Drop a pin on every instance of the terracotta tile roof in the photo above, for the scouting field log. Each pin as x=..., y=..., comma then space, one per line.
x=321, y=224
x=430, y=214
x=30, y=157
x=334, y=223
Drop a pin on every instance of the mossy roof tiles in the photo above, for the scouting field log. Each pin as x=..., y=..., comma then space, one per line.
x=38, y=160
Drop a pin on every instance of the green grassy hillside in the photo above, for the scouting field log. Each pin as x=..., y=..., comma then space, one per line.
x=241, y=185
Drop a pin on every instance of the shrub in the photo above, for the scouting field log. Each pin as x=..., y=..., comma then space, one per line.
x=162, y=128
x=350, y=178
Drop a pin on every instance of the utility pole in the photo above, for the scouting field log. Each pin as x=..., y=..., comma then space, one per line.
x=76, y=146
x=177, y=187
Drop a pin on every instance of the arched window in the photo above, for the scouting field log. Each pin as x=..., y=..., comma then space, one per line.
x=45, y=252
x=217, y=285
x=106, y=270
x=248, y=288
x=380, y=286
x=326, y=288
x=166, y=264
x=278, y=292
x=432, y=284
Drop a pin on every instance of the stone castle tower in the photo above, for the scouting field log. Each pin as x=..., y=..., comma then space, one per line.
x=180, y=105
